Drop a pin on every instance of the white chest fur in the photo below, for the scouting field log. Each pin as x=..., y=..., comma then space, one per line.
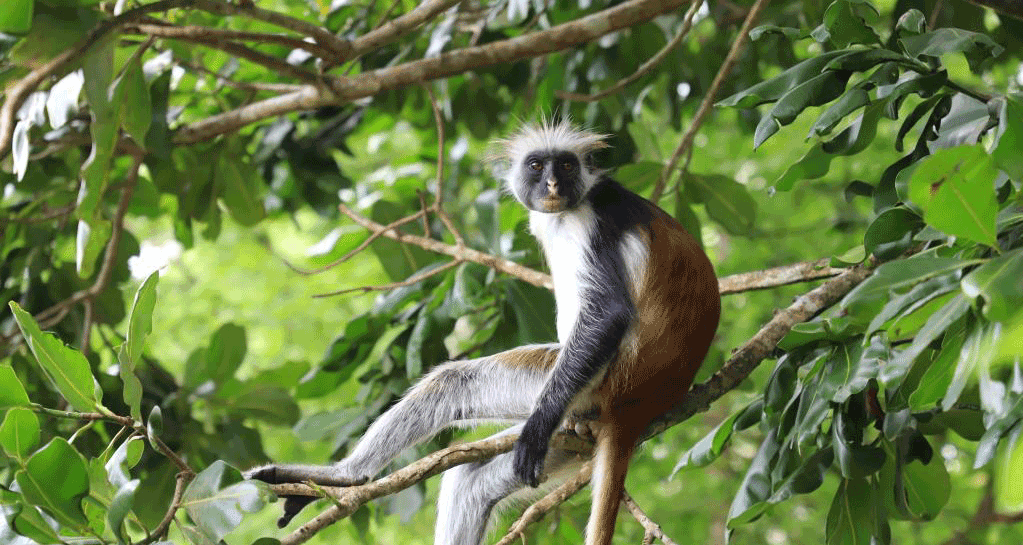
x=565, y=238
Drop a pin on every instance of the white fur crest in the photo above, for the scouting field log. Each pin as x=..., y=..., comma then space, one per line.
x=549, y=136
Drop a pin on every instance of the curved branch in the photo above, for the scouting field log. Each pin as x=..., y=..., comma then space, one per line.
x=742, y=362
x=393, y=30
x=342, y=89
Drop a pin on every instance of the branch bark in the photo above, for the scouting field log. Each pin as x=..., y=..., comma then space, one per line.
x=742, y=362
x=340, y=89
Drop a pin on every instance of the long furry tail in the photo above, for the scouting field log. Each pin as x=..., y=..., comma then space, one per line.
x=614, y=448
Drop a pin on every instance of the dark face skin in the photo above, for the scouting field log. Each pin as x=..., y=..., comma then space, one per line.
x=551, y=181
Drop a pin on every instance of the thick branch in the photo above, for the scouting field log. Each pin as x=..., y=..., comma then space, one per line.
x=393, y=30
x=743, y=361
x=343, y=89
x=777, y=276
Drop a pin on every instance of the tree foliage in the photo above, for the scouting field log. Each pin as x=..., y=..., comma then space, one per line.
x=349, y=141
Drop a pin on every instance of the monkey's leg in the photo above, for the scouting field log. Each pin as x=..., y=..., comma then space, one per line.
x=500, y=387
x=469, y=493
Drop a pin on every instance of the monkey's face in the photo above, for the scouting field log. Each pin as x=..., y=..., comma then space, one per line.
x=551, y=181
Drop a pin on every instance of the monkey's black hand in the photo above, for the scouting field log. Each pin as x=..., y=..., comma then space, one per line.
x=292, y=504
x=530, y=451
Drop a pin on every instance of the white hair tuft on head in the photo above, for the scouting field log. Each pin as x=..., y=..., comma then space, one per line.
x=551, y=135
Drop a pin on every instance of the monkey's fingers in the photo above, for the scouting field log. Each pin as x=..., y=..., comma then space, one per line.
x=292, y=506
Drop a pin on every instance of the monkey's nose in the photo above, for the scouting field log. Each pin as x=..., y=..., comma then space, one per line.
x=552, y=186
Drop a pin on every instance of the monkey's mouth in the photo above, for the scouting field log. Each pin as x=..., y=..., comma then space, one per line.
x=553, y=204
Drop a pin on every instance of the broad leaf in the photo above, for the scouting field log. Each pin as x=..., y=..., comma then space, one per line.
x=66, y=368
x=998, y=283
x=19, y=433
x=216, y=499
x=55, y=478
x=955, y=187
x=12, y=393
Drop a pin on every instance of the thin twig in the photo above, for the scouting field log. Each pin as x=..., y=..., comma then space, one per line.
x=650, y=527
x=708, y=99
x=362, y=246
x=162, y=29
x=643, y=70
x=384, y=287
x=393, y=30
x=541, y=507
x=777, y=276
x=438, y=203
x=462, y=253
x=183, y=479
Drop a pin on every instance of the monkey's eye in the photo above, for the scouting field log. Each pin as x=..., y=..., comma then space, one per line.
x=536, y=165
x=567, y=166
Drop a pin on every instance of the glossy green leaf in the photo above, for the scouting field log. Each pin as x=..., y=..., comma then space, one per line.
x=927, y=487
x=975, y=354
x=852, y=100
x=846, y=27
x=12, y=393
x=912, y=299
x=217, y=498
x=1007, y=153
x=903, y=274
x=66, y=368
x=124, y=458
x=885, y=234
x=727, y=202
x=136, y=107
x=91, y=239
x=267, y=402
x=1008, y=493
x=707, y=449
x=778, y=86
x=998, y=283
x=932, y=329
x=55, y=479
x=19, y=433
x=119, y=509
x=140, y=324
x=16, y=17
x=955, y=187
x=852, y=519
x=936, y=379
x=221, y=359
x=29, y=522
x=813, y=165
x=766, y=30
x=751, y=499
x=977, y=47
x=240, y=191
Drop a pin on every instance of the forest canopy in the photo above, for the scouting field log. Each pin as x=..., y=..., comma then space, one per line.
x=235, y=232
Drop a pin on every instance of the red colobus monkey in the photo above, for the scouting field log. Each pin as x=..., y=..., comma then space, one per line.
x=637, y=304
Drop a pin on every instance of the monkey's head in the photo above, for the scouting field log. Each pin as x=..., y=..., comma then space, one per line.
x=549, y=166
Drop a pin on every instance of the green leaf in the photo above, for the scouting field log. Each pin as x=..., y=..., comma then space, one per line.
x=55, y=479
x=852, y=100
x=90, y=241
x=16, y=17
x=216, y=499
x=707, y=449
x=998, y=283
x=66, y=368
x=136, y=107
x=267, y=402
x=862, y=59
x=813, y=165
x=765, y=30
x=927, y=487
x=813, y=92
x=140, y=324
x=120, y=507
x=19, y=433
x=240, y=190
x=12, y=393
x=975, y=354
x=1008, y=492
x=977, y=47
x=845, y=27
x=1007, y=153
x=955, y=187
x=891, y=232
x=934, y=327
x=852, y=517
x=29, y=522
x=936, y=379
x=776, y=87
x=902, y=274
x=727, y=202
x=751, y=499
x=220, y=360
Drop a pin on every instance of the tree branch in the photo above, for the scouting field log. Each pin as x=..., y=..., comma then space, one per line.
x=643, y=70
x=343, y=89
x=742, y=362
x=652, y=528
x=541, y=507
x=708, y=100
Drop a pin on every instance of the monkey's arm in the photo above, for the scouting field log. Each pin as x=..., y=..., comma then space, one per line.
x=604, y=318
